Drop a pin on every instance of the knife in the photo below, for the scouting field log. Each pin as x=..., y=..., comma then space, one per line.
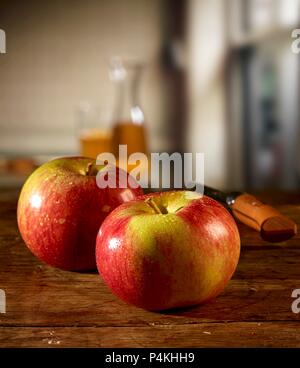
x=272, y=225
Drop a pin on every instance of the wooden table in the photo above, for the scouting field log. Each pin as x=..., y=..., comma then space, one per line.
x=47, y=307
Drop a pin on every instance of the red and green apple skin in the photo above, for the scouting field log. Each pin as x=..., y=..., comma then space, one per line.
x=181, y=257
x=60, y=210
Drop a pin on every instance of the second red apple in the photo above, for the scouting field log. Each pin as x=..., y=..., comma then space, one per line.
x=61, y=208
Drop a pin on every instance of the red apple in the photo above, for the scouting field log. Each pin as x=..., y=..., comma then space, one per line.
x=168, y=250
x=61, y=208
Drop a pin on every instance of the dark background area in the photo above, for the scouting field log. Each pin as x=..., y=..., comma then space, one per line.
x=220, y=78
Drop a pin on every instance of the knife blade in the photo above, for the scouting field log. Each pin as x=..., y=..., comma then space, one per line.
x=272, y=225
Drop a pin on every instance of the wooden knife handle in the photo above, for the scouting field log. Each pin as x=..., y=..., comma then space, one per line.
x=272, y=225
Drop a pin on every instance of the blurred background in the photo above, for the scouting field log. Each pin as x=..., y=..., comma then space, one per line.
x=212, y=76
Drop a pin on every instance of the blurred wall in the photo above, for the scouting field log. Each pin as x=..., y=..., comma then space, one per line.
x=206, y=87
x=57, y=55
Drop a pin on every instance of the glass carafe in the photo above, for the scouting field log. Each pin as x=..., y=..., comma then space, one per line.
x=129, y=123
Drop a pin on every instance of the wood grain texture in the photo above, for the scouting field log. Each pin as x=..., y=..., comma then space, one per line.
x=50, y=307
x=238, y=334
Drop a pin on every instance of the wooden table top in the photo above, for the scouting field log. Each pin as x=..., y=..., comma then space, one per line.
x=46, y=307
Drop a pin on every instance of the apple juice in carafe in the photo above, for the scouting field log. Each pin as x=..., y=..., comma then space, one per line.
x=129, y=124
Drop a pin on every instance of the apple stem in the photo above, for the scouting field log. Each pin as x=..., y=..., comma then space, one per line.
x=91, y=169
x=158, y=209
